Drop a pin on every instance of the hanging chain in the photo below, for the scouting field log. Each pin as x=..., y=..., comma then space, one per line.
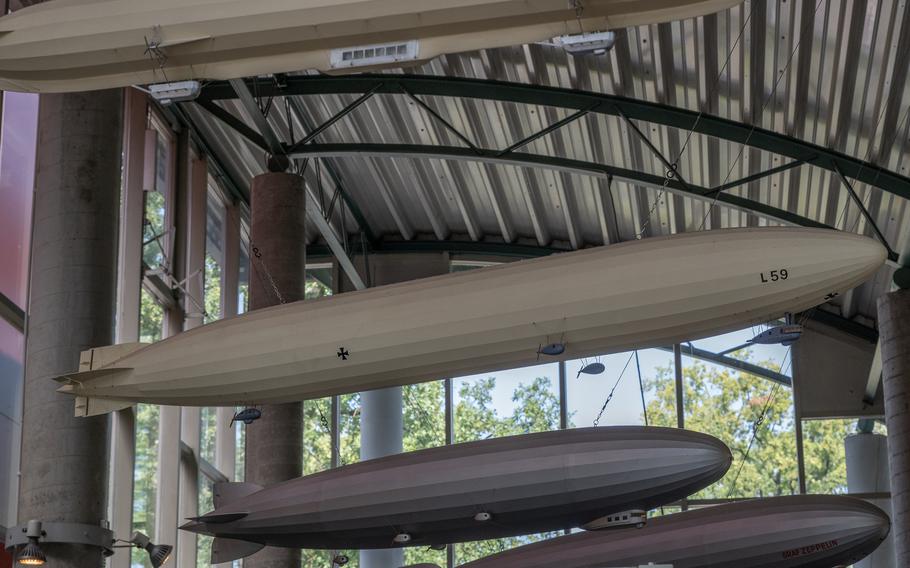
x=756, y=426
x=613, y=390
x=579, y=7
x=258, y=254
x=328, y=428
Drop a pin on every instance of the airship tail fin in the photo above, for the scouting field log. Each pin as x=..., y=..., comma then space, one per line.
x=86, y=406
x=230, y=491
x=94, y=364
x=229, y=549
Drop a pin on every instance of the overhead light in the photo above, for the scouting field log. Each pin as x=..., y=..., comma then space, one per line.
x=182, y=91
x=597, y=43
x=158, y=553
x=31, y=554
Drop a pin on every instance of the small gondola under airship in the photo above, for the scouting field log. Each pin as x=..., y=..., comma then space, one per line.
x=83, y=45
x=485, y=489
x=648, y=293
x=800, y=531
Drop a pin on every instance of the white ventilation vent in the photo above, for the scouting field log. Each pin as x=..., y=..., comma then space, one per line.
x=377, y=54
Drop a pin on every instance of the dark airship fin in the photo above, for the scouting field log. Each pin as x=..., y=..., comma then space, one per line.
x=229, y=549
x=217, y=519
x=228, y=492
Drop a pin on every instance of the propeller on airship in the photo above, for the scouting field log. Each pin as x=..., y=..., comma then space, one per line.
x=594, y=368
x=247, y=416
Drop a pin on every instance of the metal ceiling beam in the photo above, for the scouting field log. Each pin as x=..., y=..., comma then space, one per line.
x=313, y=210
x=555, y=163
x=684, y=119
x=457, y=247
x=273, y=143
x=544, y=131
x=300, y=115
x=731, y=363
x=333, y=119
x=756, y=176
x=12, y=314
x=864, y=211
x=238, y=125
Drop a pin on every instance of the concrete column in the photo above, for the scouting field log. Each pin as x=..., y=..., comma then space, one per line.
x=867, y=472
x=274, y=443
x=381, y=430
x=894, y=336
x=71, y=308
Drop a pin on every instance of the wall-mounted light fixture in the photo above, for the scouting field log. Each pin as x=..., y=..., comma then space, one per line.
x=158, y=553
x=24, y=541
x=31, y=554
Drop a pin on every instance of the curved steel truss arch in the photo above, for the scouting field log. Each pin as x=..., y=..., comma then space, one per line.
x=411, y=85
x=582, y=102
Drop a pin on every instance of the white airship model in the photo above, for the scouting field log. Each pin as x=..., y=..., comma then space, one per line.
x=648, y=293
x=82, y=45
x=587, y=477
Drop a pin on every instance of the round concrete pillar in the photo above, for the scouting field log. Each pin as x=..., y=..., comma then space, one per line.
x=381, y=430
x=867, y=472
x=894, y=337
x=71, y=308
x=274, y=443
x=381, y=435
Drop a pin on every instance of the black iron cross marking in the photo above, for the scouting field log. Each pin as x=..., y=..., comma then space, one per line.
x=831, y=295
x=343, y=353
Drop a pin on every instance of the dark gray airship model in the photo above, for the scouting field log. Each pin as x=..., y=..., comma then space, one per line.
x=800, y=531
x=477, y=490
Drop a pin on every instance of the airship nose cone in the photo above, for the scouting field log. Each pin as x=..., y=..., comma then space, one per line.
x=712, y=456
x=881, y=519
x=864, y=252
x=867, y=518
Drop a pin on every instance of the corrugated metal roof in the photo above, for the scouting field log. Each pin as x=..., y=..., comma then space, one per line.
x=829, y=72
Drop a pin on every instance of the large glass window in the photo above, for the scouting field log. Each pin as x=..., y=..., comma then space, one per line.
x=349, y=428
x=424, y=415
x=145, y=478
x=506, y=403
x=206, y=503
x=753, y=415
x=621, y=392
x=214, y=254
x=12, y=351
x=18, y=137
x=824, y=454
x=243, y=279
x=151, y=318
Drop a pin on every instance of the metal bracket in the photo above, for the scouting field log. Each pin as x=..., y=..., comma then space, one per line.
x=69, y=533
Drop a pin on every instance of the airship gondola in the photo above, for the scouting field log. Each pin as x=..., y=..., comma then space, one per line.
x=649, y=293
x=801, y=531
x=476, y=490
